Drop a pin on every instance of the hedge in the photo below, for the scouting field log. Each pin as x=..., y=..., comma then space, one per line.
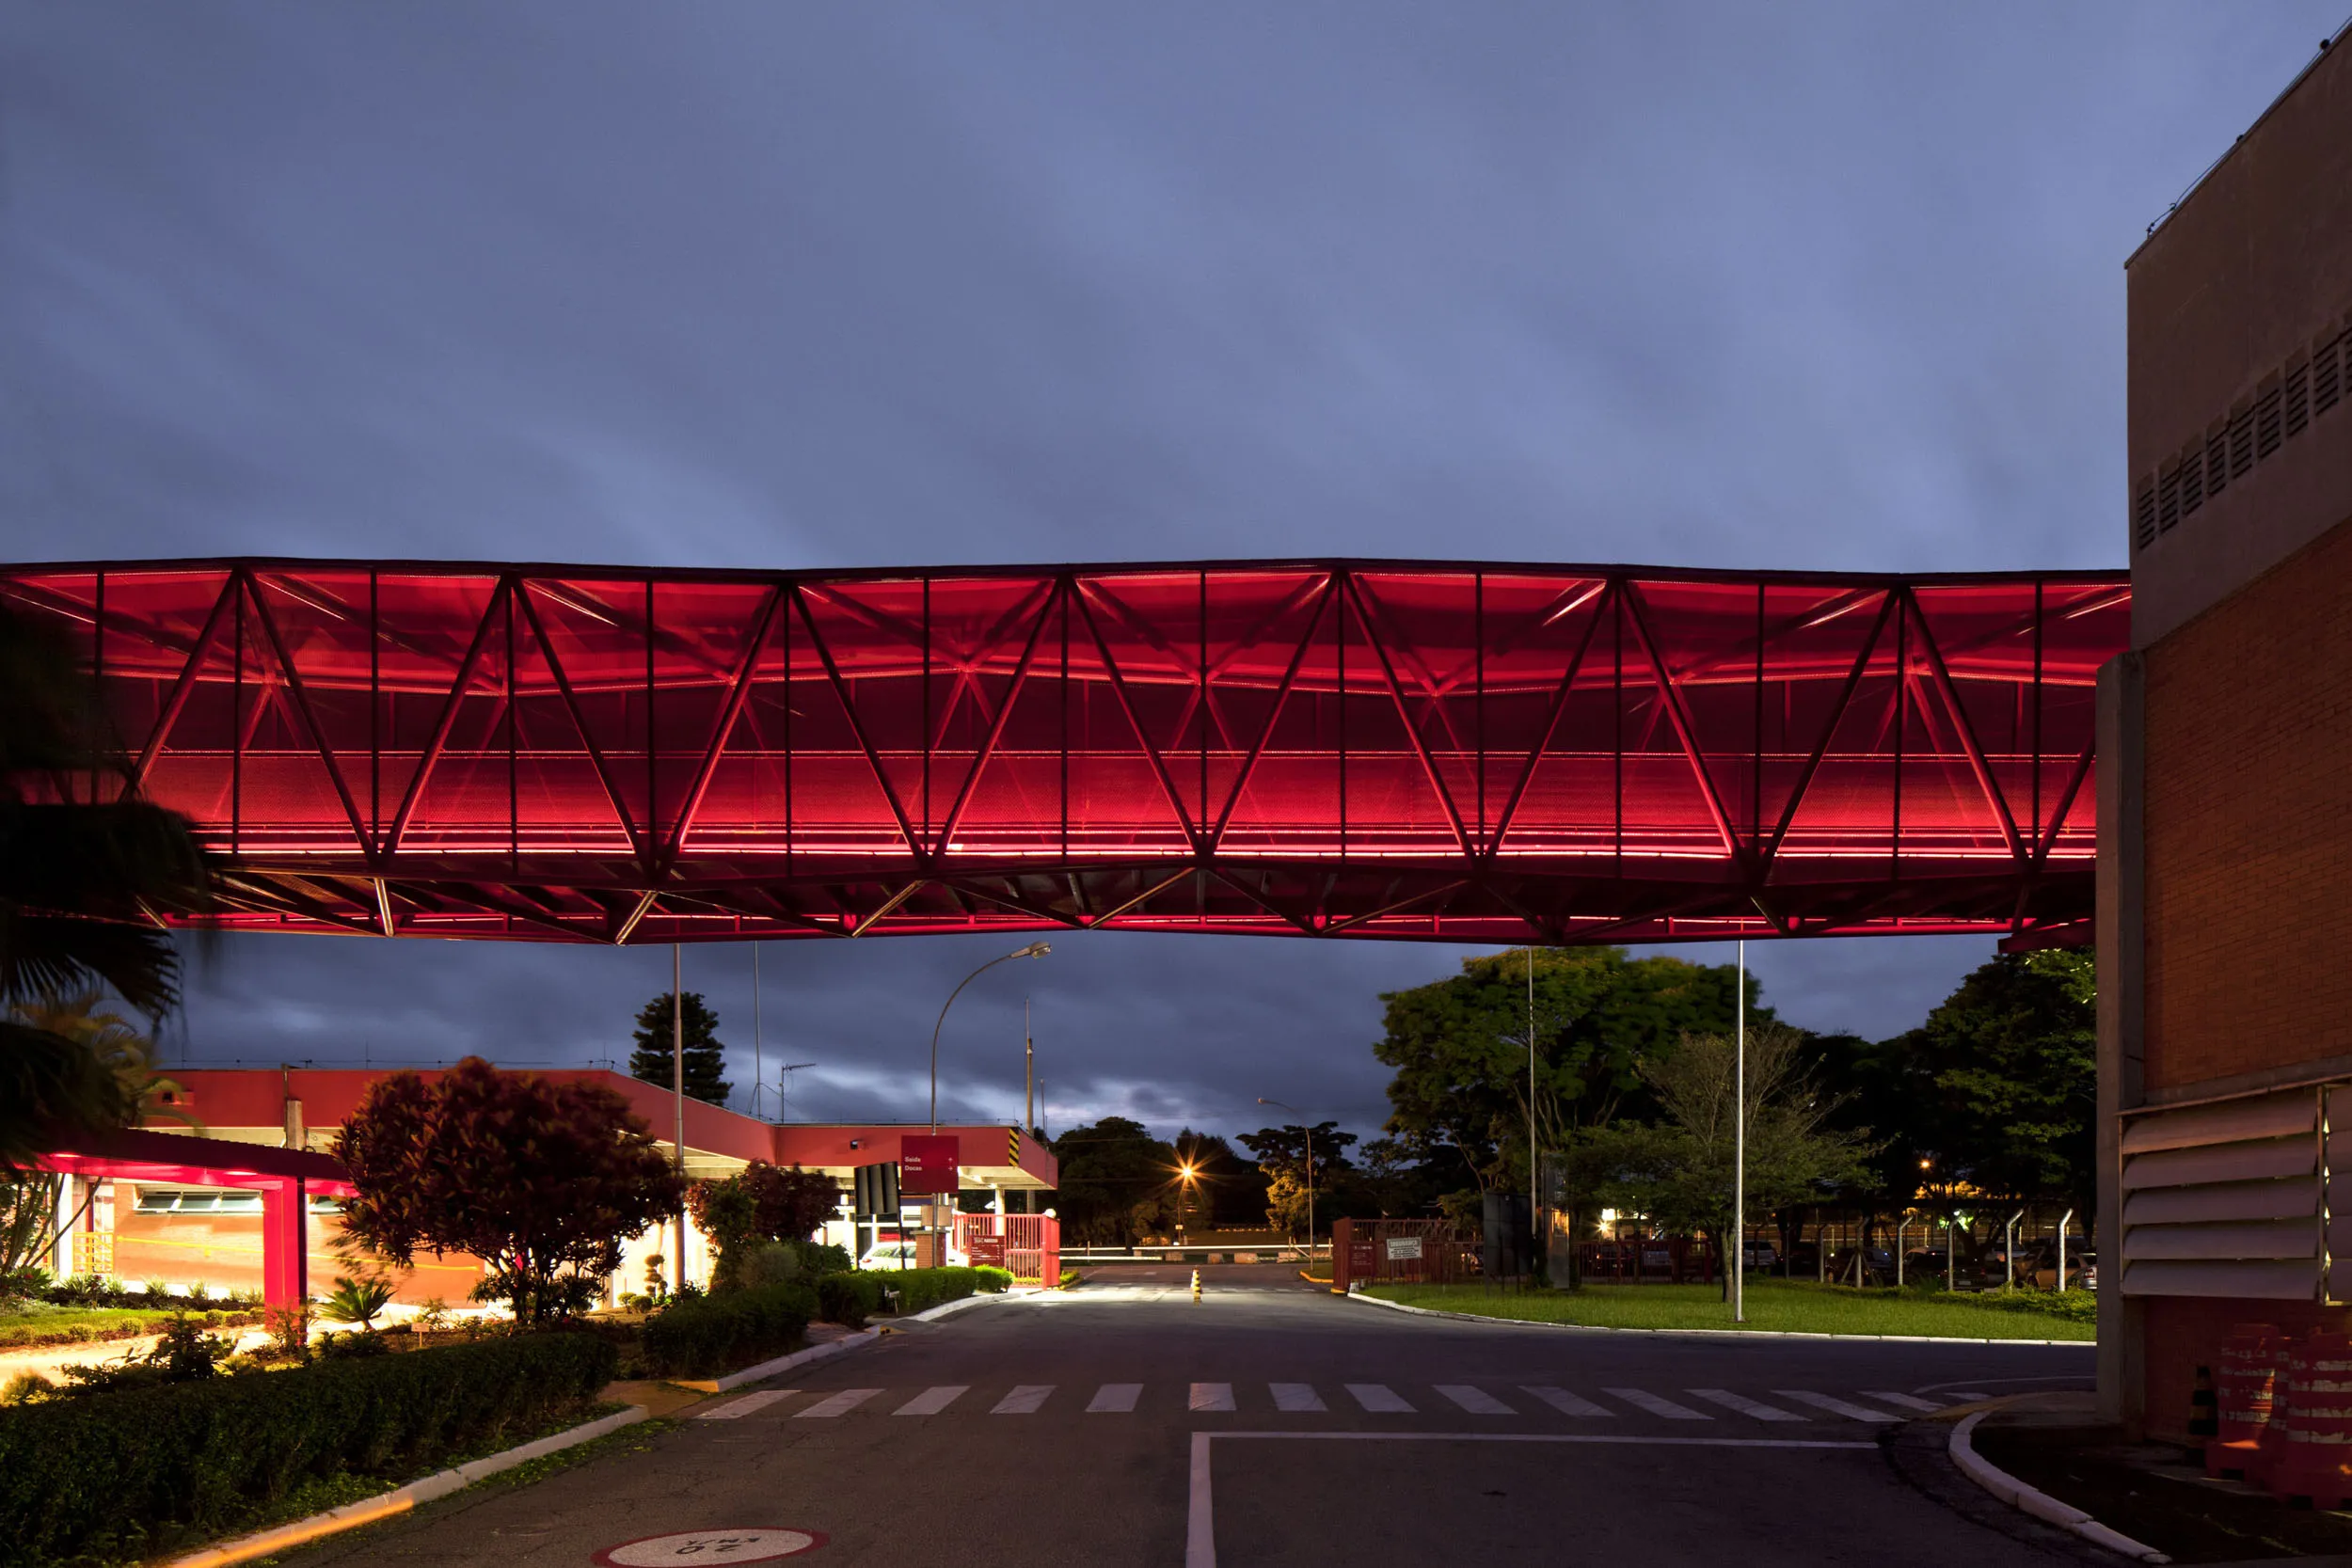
x=129, y=1475
x=852, y=1298
x=716, y=1334
x=79, y=1327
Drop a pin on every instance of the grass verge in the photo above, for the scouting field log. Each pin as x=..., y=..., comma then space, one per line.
x=31, y=1325
x=1780, y=1306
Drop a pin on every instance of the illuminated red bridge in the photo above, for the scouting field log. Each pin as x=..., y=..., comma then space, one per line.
x=1405, y=750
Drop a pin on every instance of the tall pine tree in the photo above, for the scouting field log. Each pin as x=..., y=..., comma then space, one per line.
x=705, y=1058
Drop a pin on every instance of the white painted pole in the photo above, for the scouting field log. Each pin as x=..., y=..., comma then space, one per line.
x=1740, y=1147
x=677, y=1092
x=755, y=1067
x=2063, y=1221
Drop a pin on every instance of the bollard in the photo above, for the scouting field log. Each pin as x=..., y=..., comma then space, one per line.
x=1196, y=1284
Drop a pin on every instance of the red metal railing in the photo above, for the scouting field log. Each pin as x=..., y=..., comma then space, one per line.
x=1028, y=1247
x=1476, y=753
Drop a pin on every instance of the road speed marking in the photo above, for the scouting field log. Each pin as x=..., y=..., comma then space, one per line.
x=762, y=1545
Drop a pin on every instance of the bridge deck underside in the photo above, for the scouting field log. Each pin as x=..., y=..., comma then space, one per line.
x=1322, y=748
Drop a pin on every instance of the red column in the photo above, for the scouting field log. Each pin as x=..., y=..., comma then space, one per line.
x=285, y=1243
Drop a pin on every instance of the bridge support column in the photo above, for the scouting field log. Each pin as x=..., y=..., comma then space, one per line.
x=2122, y=1005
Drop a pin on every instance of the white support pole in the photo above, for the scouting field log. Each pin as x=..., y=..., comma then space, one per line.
x=2009, y=1251
x=755, y=1067
x=1739, y=1146
x=1900, y=1226
x=677, y=1093
x=2064, y=1220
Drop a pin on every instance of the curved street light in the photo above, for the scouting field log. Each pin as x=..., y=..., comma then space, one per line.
x=1035, y=950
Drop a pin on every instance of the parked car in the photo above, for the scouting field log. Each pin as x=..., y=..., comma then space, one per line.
x=1759, y=1255
x=888, y=1255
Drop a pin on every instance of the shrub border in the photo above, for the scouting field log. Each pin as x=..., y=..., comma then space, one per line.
x=399, y=1499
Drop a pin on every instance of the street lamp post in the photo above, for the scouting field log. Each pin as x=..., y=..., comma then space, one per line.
x=1035, y=950
x=1310, y=1169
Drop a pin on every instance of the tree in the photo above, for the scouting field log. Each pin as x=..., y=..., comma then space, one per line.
x=1459, y=1048
x=705, y=1058
x=1281, y=1153
x=1677, y=1171
x=121, y=1059
x=87, y=867
x=757, y=1204
x=1118, y=1181
x=2004, y=1078
x=542, y=1180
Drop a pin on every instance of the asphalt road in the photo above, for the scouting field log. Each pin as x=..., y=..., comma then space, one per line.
x=1269, y=1424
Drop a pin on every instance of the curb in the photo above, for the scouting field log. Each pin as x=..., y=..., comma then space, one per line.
x=399, y=1499
x=2017, y=1494
x=781, y=1364
x=1707, y=1333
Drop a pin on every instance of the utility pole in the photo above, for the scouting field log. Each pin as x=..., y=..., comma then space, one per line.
x=1532, y=1182
x=1739, y=1148
x=756, y=1072
x=1028, y=1073
x=677, y=1094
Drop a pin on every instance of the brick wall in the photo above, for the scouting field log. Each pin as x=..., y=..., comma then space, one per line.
x=2249, y=827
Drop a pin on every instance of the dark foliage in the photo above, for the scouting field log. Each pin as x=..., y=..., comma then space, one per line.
x=699, y=1337
x=540, y=1179
x=705, y=1058
x=131, y=1474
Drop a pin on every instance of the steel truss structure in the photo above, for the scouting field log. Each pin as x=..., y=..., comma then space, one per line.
x=1464, y=752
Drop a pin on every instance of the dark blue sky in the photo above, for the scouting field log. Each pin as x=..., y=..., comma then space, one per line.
x=882, y=284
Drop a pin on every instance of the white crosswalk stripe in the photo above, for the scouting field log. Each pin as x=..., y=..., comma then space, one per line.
x=1022, y=1401
x=836, y=1405
x=1114, y=1399
x=1379, y=1399
x=1210, y=1397
x=1567, y=1403
x=1745, y=1406
x=1296, y=1397
x=745, y=1405
x=931, y=1402
x=1476, y=1401
x=1642, y=1398
x=1902, y=1402
x=1835, y=1406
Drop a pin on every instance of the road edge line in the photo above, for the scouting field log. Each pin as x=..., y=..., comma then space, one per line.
x=399, y=1499
x=1200, y=1508
x=1705, y=1333
x=2039, y=1504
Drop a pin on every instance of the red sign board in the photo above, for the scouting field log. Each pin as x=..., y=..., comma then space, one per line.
x=987, y=1250
x=927, y=1163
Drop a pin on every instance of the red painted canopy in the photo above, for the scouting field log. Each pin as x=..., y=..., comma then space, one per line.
x=1452, y=752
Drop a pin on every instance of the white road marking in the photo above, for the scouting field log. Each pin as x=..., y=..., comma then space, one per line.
x=1210, y=1397
x=1745, y=1406
x=931, y=1402
x=1476, y=1401
x=1298, y=1397
x=1379, y=1399
x=1201, y=1511
x=1969, y=1399
x=848, y=1398
x=1835, y=1406
x=1567, y=1403
x=1024, y=1399
x=1902, y=1402
x=745, y=1405
x=1642, y=1398
x=1114, y=1399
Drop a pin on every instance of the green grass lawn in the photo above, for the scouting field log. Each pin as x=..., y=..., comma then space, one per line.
x=1785, y=1306
x=28, y=1323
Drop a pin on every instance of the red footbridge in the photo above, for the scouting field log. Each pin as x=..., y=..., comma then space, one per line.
x=1463, y=752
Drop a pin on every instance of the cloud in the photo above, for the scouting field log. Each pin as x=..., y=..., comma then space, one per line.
x=742, y=284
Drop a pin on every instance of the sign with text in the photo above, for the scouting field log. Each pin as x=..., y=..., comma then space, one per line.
x=1403, y=1248
x=928, y=1162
